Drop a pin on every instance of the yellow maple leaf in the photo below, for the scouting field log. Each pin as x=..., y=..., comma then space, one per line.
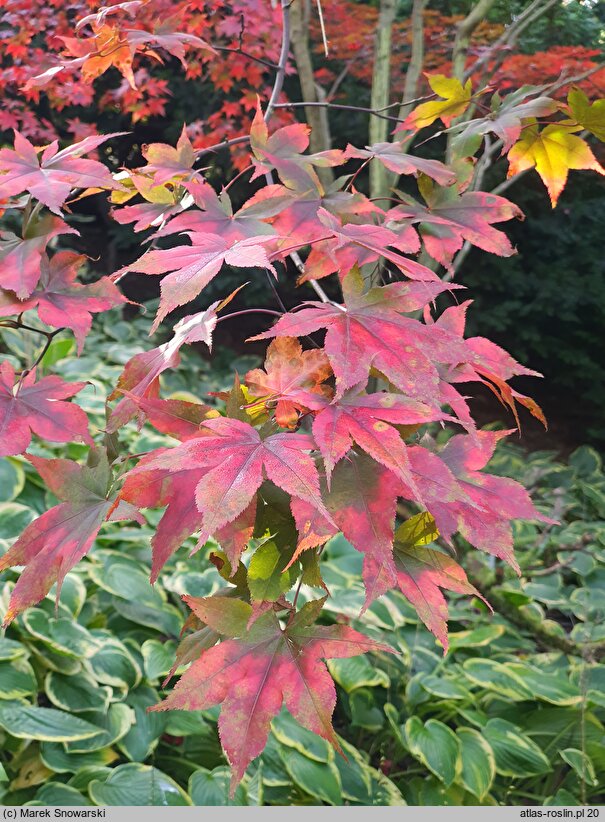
x=552, y=152
x=456, y=99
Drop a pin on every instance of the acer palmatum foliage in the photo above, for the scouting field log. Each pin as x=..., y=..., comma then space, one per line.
x=323, y=439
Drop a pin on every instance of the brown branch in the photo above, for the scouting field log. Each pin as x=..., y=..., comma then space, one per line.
x=247, y=55
x=235, y=141
x=527, y=621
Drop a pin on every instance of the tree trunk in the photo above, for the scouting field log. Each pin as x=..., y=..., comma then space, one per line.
x=317, y=116
x=381, y=81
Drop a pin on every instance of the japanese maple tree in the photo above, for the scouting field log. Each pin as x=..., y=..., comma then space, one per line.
x=331, y=435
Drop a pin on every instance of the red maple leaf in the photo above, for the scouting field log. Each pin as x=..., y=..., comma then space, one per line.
x=194, y=266
x=21, y=257
x=51, y=177
x=28, y=407
x=357, y=245
x=362, y=501
x=364, y=419
x=169, y=488
x=371, y=331
x=422, y=571
x=282, y=151
x=487, y=363
x=393, y=157
x=214, y=213
x=234, y=460
x=299, y=218
x=451, y=218
x=52, y=544
x=253, y=672
x=61, y=301
x=484, y=517
x=178, y=418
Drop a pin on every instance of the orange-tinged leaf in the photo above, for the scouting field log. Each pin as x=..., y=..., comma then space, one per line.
x=552, y=152
x=292, y=379
x=112, y=49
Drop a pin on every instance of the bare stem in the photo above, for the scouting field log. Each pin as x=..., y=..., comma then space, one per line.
x=249, y=311
x=283, y=58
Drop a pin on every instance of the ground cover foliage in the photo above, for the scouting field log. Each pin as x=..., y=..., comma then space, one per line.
x=506, y=717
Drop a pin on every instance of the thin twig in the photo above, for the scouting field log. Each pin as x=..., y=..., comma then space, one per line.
x=249, y=311
x=50, y=335
x=234, y=141
x=328, y=104
x=247, y=55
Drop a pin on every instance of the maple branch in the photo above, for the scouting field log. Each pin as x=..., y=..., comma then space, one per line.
x=592, y=651
x=247, y=55
x=50, y=335
x=375, y=112
x=295, y=257
x=565, y=81
x=283, y=58
x=249, y=311
x=234, y=141
x=18, y=324
x=337, y=83
x=275, y=292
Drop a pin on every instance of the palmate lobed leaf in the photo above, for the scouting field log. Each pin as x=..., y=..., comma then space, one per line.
x=292, y=380
x=393, y=157
x=456, y=98
x=422, y=572
x=51, y=177
x=61, y=301
x=256, y=670
x=553, y=152
x=53, y=543
x=189, y=269
x=590, y=116
x=21, y=257
x=38, y=406
x=210, y=483
x=370, y=330
x=450, y=218
x=282, y=151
